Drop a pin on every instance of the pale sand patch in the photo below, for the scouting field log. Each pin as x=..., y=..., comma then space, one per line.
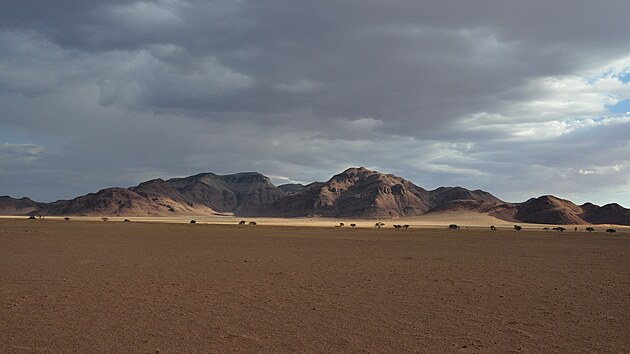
x=465, y=219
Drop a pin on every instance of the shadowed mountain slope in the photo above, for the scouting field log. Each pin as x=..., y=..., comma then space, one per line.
x=353, y=193
x=361, y=193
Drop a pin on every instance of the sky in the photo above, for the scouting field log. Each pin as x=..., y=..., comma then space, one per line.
x=518, y=98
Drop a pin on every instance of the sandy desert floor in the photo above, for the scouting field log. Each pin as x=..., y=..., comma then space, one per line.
x=79, y=286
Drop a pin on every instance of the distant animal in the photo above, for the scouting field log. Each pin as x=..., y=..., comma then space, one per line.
x=32, y=217
x=104, y=219
x=66, y=218
x=193, y=221
x=242, y=222
x=378, y=225
x=611, y=230
x=353, y=225
x=518, y=227
x=453, y=227
x=406, y=226
x=253, y=223
x=546, y=228
x=590, y=229
x=397, y=226
x=559, y=229
x=493, y=228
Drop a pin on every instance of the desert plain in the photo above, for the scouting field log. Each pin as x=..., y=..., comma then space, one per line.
x=147, y=287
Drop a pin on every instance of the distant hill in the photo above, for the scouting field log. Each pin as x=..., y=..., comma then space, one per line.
x=549, y=210
x=353, y=193
x=361, y=193
x=13, y=206
x=202, y=194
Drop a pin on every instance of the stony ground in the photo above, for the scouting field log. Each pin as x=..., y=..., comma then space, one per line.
x=70, y=286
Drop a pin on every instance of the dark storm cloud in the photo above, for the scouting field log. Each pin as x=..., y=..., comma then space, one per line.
x=440, y=92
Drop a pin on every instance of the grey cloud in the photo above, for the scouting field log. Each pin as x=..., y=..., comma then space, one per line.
x=439, y=92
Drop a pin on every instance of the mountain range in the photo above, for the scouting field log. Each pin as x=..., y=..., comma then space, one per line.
x=353, y=193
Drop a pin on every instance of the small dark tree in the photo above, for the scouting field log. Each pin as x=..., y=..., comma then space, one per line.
x=253, y=223
x=353, y=225
x=518, y=227
x=193, y=221
x=590, y=229
x=453, y=227
x=242, y=222
x=611, y=230
x=66, y=218
x=406, y=226
x=493, y=228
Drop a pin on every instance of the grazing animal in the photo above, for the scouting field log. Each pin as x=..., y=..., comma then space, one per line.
x=453, y=227
x=378, y=225
x=104, y=219
x=546, y=228
x=611, y=230
x=397, y=226
x=253, y=223
x=242, y=222
x=493, y=228
x=518, y=227
x=590, y=229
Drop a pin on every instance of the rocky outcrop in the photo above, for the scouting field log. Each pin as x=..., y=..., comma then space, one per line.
x=362, y=193
x=353, y=193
